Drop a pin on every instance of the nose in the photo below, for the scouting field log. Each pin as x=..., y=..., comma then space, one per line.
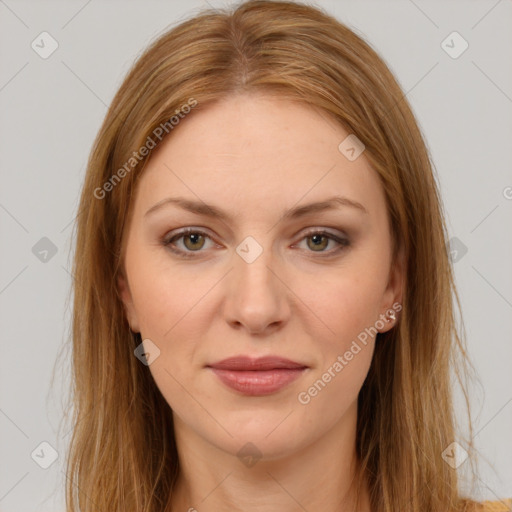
x=257, y=296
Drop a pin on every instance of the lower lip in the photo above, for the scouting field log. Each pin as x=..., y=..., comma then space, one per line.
x=258, y=383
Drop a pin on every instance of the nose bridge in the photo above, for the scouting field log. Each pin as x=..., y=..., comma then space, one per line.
x=257, y=295
x=254, y=264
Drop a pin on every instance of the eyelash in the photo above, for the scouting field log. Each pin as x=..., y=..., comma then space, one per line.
x=168, y=242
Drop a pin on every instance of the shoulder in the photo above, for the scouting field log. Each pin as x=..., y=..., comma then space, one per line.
x=497, y=506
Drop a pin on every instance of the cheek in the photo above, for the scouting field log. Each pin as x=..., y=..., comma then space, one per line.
x=164, y=297
x=328, y=395
x=348, y=306
x=345, y=302
x=174, y=311
x=164, y=302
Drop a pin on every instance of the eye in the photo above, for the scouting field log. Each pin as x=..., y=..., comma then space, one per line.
x=317, y=241
x=193, y=240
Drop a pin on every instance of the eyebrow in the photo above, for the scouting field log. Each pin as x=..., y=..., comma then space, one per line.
x=201, y=208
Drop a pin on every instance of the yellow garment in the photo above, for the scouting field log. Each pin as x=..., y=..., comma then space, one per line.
x=498, y=506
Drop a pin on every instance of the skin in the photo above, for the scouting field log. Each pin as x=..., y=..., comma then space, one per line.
x=257, y=156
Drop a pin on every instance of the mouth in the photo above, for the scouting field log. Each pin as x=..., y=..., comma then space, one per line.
x=257, y=377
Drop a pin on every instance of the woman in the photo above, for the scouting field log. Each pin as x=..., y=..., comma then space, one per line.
x=263, y=298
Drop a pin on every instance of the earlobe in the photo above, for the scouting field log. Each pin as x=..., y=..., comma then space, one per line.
x=126, y=298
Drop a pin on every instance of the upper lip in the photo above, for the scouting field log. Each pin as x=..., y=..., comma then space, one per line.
x=241, y=363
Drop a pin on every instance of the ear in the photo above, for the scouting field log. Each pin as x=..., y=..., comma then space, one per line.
x=392, y=298
x=126, y=297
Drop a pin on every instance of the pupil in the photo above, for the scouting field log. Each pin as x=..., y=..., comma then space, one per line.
x=318, y=240
x=193, y=240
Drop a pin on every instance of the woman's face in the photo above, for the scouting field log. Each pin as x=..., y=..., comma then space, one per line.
x=263, y=277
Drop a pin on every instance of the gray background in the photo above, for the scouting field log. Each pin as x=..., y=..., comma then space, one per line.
x=51, y=110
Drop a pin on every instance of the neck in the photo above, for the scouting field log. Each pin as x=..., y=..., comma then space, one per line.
x=311, y=478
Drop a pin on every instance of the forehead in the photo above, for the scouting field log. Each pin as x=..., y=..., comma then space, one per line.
x=255, y=154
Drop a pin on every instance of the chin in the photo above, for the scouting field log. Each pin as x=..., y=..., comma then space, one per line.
x=274, y=434
x=250, y=448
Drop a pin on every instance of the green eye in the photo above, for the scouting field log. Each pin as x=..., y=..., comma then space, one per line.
x=194, y=240
x=318, y=241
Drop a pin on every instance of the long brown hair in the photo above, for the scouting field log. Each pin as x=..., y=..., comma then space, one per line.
x=122, y=453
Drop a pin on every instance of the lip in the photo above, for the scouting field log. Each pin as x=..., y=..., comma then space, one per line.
x=257, y=376
x=241, y=363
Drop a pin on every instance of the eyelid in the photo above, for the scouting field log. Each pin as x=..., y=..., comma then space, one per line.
x=342, y=240
x=325, y=231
